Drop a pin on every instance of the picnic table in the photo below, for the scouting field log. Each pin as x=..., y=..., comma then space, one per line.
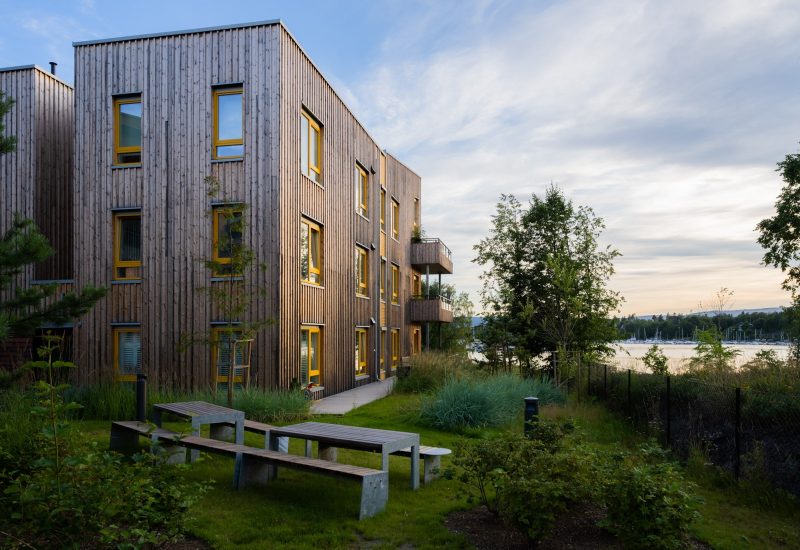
x=332, y=436
x=201, y=413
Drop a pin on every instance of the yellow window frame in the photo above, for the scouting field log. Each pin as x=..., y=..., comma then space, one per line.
x=362, y=191
x=118, y=263
x=361, y=351
x=416, y=341
x=314, y=359
x=395, y=220
x=362, y=272
x=312, y=228
x=395, y=348
x=384, y=346
x=314, y=164
x=216, y=376
x=216, y=142
x=115, y=332
x=118, y=149
x=383, y=210
x=395, y=284
x=217, y=213
x=383, y=280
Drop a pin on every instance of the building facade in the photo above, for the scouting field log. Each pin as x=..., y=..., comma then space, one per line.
x=191, y=147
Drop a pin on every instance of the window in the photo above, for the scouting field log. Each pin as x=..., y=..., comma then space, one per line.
x=127, y=246
x=361, y=351
x=362, y=272
x=395, y=284
x=310, y=252
x=395, y=348
x=395, y=219
x=128, y=130
x=127, y=353
x=362, y=191
x=416, y=341
x=384, y=348
x=416, y=285
x=383, y=280
x=224, y=345
x=416, y=213
x=310, y=147
x=228, y=228
x=310, y=355
x=228, y=122
x=383, y=210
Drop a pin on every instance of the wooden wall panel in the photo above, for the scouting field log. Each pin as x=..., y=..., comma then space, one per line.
x=175, y=75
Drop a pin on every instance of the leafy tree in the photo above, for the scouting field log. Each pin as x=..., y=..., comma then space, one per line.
x=780, y=236
x=656, y=361
x=710, y=355
x=22, y=313
x=545, y=283
x=455, y=337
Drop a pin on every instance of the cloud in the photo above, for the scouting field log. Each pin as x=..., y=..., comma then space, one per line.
x=666, y=118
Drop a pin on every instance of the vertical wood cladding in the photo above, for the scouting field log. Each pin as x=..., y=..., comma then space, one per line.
x=174, y=75
x=36, y=178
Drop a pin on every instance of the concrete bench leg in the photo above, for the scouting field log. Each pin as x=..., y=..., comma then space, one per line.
x=432, y=465
x=222, y=432
x=327, y=453
x=123, y=441
x=254, y=472
x=374, y=494
x=172, y=453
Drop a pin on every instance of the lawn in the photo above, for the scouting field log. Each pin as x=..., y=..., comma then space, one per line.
x=304, y=511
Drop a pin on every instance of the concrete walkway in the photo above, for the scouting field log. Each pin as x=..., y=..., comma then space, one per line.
x=346, y=401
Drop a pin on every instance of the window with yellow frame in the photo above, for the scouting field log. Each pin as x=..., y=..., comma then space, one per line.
x=127, y=352
x=361, y=351
x=223, y=347
x=128, y=130
x=310, y=252
x=362, y=271
x=395, y=219
x=362, y=191
x=310, y=146
x=228, y=122
x=416, y=341
x=310, y=355
x=227, y=239
x=127, y=246
x=395, y=349
x=384, y=347
x=416, y=285
x=383, y=210
x=383, y=280
x=395, y=284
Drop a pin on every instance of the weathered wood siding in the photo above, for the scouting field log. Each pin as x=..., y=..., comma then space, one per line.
x=175, y=75
x=36, y=178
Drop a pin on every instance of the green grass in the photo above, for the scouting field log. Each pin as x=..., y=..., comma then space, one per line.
x=310, y=511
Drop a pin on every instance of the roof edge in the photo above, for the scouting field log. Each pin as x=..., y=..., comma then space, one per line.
x=36, y=68
x=178, y=33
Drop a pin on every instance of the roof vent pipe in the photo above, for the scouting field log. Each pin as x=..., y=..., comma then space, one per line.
x=53, y=67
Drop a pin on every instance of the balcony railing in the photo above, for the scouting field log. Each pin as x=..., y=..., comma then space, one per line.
x=433, y=308
x=432, y=254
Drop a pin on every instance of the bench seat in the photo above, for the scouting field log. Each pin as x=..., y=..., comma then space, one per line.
x=432, y=457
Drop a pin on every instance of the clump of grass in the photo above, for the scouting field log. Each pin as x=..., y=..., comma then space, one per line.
x=19, y=430
x=272, y=406
x=431, y=370
x=106, y=401
x=493, y=401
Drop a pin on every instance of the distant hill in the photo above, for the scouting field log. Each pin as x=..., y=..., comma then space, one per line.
x=731, y=312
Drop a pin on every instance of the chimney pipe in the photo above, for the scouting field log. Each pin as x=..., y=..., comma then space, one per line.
x=53, y=67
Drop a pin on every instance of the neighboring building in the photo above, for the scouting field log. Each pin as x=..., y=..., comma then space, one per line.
x=329, y=214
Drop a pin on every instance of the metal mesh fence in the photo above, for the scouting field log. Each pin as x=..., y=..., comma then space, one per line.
x=749, y=432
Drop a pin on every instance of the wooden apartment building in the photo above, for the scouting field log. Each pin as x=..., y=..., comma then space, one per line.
x=329, y=216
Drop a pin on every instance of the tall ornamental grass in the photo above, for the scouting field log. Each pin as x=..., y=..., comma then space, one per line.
x=492, y=401
x=431, y=370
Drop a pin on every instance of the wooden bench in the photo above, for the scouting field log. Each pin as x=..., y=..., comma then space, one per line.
x=432, y=457
x=256, y=466
x=224, y=431
x=125, y=438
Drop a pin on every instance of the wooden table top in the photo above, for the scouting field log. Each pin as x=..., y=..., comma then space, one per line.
x=347, y=436
x=190, y=409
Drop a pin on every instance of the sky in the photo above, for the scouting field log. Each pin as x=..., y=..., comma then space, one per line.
x=667, y=118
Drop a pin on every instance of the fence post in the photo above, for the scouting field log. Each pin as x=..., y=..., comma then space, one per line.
x=738, y=434
x=669, y=411
x=605, y=382
x=630, y=410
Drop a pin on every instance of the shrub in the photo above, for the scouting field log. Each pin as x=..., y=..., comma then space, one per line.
x=19, y=431
x=491, y=401
x=656, y=361
x=105, y=401
x=272, y=406
x=648, y=502
x=431, y=370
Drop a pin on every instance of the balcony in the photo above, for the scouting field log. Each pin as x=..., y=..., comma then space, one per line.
x=431, y=255
x=433, y=309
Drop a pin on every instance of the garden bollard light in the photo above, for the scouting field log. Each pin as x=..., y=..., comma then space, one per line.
x=141, y=397
x=531, y=413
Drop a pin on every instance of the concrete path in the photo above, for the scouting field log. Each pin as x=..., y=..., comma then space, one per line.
x=346, y=401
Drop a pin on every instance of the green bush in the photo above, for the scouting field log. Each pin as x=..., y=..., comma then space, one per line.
x=272, y=406
x=492, y=401
x=648, y=502
x=106, y=401
x=20, y=431
x=431, y=370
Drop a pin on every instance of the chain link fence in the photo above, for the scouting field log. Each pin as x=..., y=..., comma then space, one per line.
x=751, y=433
